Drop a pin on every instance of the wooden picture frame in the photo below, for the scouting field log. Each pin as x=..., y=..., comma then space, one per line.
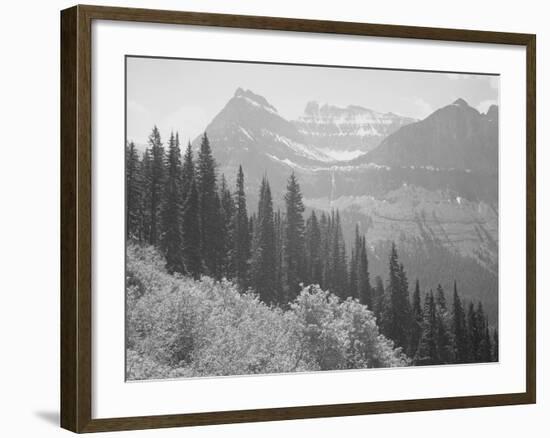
x=76, y=217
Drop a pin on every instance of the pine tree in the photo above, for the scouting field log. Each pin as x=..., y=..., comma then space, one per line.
x=171, y=207
x=460, y=335
x=241, y=235
x=133, y=193
x=156, y=184
x=444, y=346
x=417, y=320
x=252, y=225
x=191, y=233
x=486, y=344
x=314, y=263
x=440, y=300
x=427, y=353
x=474, y=334
x=227, y=213
x=338, y=274
x=264, y=259
x=378, y=298
x=294, y=245
x=279, y=224
x=398, y=314
x=495, y=346
x=363, y=277
x=325, y=228
x=145, y=171
x=353, y=281
x=188, y=170
x=208, y=208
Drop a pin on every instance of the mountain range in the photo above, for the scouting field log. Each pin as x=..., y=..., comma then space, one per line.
x=346, y=133
x=430, y=185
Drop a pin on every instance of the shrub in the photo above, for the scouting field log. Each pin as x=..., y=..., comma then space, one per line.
x=179, y=327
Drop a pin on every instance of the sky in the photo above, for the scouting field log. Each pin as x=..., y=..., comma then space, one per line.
x=185, y=95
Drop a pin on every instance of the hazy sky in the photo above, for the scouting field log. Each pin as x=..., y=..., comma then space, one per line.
x=185, y=95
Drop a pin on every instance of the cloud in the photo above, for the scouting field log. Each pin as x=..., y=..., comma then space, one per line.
x=462, y=76
x=491, y=80
x=422, y=108
x=484, y=105
x=188, y=120
x=455, y=76
x=136, y=107
x=494, y=82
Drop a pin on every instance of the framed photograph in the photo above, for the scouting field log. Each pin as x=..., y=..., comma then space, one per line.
x=271, y=218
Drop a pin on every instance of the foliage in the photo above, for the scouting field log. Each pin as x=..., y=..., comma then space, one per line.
x=179, y=327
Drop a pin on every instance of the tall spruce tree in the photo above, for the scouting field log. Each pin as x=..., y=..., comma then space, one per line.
x=339, y=272
x=364, y=288
x=241, y=235
x=427, y=353
x=325, y=228
x=474, y=334
x=353, y=281
x=460, y=334
x=314, y=263
x=378, y=298
x=486, y=344
x=417, y=321
x=294, y=243
x=155, y=184
x=398, y=313
x=279, y=223
x=264, y=278
x=171, y=243
x=485, y=347
x=188, y=170
x=145, y=171
x=227, y=213
x=495, y=346
x=444, y=346
x=209, y=208
x=134, y=189
x=191, y=233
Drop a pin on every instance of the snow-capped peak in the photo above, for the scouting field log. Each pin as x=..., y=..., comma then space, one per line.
x=254, y=99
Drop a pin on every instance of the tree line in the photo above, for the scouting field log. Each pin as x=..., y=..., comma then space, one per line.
x=180, y=205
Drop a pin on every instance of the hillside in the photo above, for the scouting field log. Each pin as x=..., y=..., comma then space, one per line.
x=178, y=327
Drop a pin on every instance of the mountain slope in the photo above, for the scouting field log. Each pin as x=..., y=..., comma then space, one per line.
x=248, y=126
x=345, y=133
x=456, y=136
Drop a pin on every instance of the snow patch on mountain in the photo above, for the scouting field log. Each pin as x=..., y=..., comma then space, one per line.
x=331, y=168
x=341, y=155
x=307, y=151
x=255, y=100
x=246, y=133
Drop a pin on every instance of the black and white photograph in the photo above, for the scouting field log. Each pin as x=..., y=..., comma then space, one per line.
x=286, y=218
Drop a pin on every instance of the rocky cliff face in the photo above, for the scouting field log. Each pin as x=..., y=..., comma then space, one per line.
x=346, y=133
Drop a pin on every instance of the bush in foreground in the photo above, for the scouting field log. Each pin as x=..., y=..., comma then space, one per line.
x=179, y=327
